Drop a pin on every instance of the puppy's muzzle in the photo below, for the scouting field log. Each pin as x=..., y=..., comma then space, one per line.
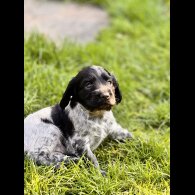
x=106, y=96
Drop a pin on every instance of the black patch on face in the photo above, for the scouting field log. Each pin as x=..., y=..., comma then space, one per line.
x=105, y=76
x=62, y=121
x=90, y=80
x=82, y=88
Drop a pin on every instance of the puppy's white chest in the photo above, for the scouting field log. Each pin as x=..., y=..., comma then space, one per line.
x=96, y=135
x=92, y=130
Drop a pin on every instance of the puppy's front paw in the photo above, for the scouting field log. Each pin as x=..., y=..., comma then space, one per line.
x=129, y=135
x=123, y=136
x=71, y=159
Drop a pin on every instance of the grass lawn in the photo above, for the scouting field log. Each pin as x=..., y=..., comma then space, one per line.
x=135, y=47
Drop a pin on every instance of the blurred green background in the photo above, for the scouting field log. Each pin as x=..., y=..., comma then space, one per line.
x=135, y=48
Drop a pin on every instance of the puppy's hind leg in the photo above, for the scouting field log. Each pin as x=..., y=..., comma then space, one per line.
x=54, y=158
x=91, y=156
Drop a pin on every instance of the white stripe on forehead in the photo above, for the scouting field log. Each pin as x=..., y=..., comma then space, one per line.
x=98, y=69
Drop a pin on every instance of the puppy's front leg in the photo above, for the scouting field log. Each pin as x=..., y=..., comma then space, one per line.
x=116, y=132
x=93, y=159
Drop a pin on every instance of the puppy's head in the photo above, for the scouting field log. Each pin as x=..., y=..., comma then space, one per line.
x=93, y=87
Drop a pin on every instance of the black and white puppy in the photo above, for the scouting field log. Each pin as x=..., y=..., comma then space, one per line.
x=79, y=123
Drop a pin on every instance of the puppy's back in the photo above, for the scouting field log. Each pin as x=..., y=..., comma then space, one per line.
x=38, y=130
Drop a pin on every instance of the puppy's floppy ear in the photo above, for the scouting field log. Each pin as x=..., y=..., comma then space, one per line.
x=70, y=91
x=118, y=95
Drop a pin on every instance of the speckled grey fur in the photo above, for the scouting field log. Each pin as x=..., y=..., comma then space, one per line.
x=42, y=138
x=46, y=145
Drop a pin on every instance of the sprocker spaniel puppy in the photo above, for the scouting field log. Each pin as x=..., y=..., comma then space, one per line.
x=79, y=123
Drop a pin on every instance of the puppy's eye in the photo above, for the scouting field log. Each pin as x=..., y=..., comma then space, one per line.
x=109, y=81
x=88, y=84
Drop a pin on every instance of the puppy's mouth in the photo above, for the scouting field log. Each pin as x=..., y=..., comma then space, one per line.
x=100, y=110
x=95, y=103
x=106, y=106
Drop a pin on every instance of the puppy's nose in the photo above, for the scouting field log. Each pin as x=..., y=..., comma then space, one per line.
x=105, y=96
